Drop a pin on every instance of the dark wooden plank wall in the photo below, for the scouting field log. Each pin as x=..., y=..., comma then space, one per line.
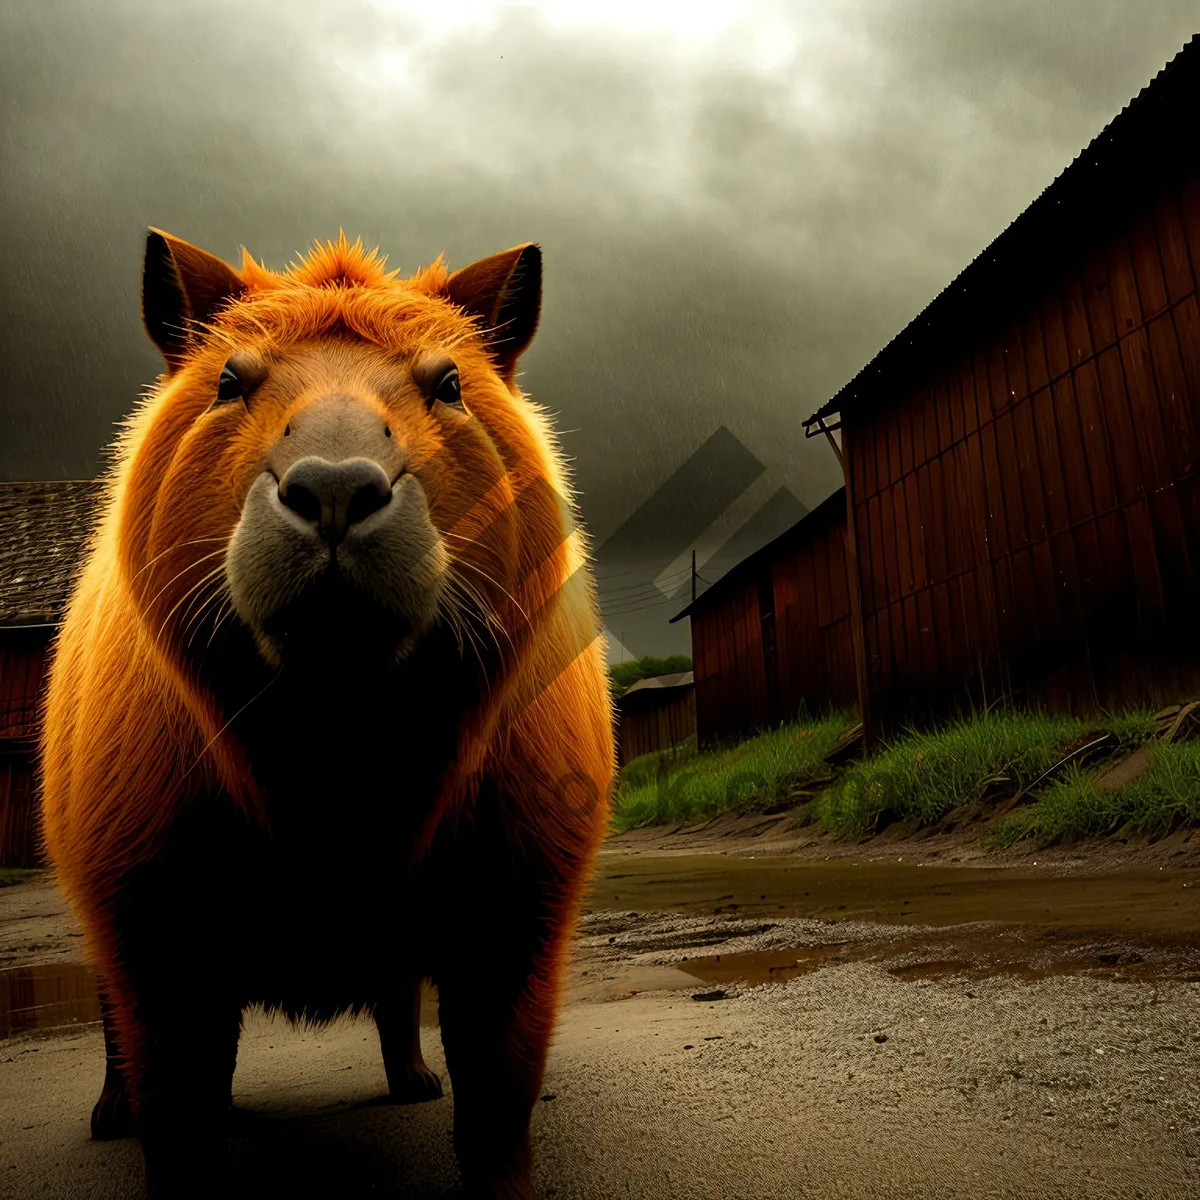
x=1028, y=513
x=23, y=656
x=18, y=832
x=727, y=665
x=815, y=658
x=22, y=675
x=659, y=724
x=777, y=640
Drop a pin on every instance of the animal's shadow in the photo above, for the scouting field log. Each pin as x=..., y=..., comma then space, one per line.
x=364, y=1149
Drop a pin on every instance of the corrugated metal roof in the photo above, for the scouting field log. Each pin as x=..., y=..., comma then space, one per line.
x=832, y=508
x=44, y=528
x=1157, y=126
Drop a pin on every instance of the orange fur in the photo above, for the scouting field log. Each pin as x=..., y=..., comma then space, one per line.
x=132, y=737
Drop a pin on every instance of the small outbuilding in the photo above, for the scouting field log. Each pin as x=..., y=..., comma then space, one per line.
x=774, y=634
x=656, y=714
x=44, y=528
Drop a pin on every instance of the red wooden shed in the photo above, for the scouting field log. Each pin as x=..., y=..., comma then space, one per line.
x=655, y=714
x=43, y=530
x=774, y=633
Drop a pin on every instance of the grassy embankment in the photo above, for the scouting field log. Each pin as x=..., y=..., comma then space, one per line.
x=1164, y=796
x=683, y=785
x=12, y=875
x=1027, y=758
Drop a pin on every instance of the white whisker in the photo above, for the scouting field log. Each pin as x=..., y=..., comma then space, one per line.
x=189, y=593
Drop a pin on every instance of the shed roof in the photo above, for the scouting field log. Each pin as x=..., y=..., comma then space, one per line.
x=44, y=528
x=649, y=693
x=830, y=510
x=1155, y=130
x=679, y=679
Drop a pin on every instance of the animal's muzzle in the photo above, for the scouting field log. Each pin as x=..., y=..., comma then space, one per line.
x=334, y=497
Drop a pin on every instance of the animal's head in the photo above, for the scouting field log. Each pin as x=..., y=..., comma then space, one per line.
x=339, y=458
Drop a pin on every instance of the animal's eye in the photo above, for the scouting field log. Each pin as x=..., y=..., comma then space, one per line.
x=448, y=390
x=230, y=386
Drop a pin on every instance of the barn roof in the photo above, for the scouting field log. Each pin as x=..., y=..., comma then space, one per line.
x=44, y=528
x=1156, y=128
x=831, y=509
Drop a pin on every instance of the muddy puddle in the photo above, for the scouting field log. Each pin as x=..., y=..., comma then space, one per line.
x=46, y=997
x=973, y=956
x=1020, y=921
x=753, y=967
x=1159, y=902
x=55, y=996
x=968, y=923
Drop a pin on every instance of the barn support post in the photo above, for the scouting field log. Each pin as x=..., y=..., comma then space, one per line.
x=854, y=582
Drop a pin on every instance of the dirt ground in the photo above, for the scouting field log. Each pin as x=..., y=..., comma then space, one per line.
x=958, y=838
x=749, y=1015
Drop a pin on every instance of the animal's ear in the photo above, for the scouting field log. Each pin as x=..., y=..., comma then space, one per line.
x=505, y=293
x=181, y=284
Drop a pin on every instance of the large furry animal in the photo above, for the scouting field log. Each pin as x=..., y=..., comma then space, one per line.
x=330, y=681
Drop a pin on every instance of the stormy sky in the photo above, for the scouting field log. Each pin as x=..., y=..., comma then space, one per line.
x=738, y=205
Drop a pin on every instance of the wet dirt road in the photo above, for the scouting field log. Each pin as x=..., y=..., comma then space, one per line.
x=1140, y=901
x=983, y=1047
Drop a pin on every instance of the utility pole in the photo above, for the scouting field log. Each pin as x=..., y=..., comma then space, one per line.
x=693, y=577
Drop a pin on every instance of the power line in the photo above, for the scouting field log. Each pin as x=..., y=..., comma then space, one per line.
x=622, y=610
x=675, y=588
x=634, y=605
x=622, y=574
x=635, y=571
x=649, y=586
x=650, y=593
x=617, y=612
x=655, y=585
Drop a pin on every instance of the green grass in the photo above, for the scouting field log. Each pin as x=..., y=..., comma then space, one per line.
x=683, y=785
x=649, y=768
x=11, y=875
x=1164, y=796
x=919, y=777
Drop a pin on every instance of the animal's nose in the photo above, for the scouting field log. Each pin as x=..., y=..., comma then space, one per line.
x=334, y=496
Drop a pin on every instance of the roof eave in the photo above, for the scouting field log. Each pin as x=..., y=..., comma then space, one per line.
x=1124, y=134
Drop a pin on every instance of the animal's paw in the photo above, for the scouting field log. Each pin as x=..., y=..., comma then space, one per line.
x=111, y=1118
x=412, y=1085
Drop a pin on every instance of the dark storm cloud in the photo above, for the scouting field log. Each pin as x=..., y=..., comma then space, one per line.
x=728, y=236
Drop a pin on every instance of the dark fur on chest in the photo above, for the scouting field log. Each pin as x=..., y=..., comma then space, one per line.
x=347, y=748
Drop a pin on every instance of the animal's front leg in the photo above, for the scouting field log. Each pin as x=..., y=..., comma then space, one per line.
x=398, y=1018
x=177, y=984
x=181, y=1095
x=496, y=1025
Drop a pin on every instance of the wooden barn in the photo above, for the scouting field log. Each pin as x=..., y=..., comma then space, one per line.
x=1023, y=460
x=655, y=714
x=43, y=530
x=775, y=633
